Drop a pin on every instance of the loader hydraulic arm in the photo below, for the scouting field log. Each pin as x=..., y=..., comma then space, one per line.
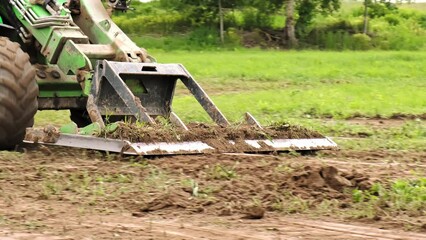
x=91, y=65
x=54, y=26
x=74, y=39
x=121, y=5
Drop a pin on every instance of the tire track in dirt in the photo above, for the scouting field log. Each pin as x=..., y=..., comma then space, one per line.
x=171, y=229
x=126, y=227
x=281, y=228
x=11, y=235
x=292, y=230
x=345, y=230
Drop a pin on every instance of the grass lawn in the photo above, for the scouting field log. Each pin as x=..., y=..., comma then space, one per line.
x=278, y=84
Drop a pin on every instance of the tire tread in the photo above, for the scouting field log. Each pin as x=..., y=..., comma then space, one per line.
x=18, y=110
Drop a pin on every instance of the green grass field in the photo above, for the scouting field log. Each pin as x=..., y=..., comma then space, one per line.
x=276, y=84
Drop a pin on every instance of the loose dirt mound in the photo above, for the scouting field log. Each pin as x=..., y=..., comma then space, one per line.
x=329, y=177
x=251, y=188
x=175, y=199
x=205, y=132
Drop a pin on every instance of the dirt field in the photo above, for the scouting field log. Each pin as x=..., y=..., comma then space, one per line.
x=54, y=193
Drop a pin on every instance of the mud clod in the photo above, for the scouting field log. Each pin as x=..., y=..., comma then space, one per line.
x=174, y=200
x=48, y=134
x=332, y=178
x=325, y=177
x=254, y=212
x=227, y=211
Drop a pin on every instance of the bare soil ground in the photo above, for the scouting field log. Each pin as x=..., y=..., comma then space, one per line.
x=55, y=193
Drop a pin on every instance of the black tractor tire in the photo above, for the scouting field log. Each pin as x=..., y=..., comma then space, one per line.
x=18, y=94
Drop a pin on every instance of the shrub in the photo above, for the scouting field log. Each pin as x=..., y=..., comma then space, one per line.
x=253, y=18
x=233, y=37
x=361, y=41
x=397, y=30
x=392, y=19
x=204, y=37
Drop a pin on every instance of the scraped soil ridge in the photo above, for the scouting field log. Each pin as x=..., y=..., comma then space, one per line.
x=205, y=132
x=271, y=189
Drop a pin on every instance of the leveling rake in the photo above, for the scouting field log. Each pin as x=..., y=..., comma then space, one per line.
x=111, y=92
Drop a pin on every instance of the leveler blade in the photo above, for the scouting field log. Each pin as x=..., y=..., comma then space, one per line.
x=189, y=147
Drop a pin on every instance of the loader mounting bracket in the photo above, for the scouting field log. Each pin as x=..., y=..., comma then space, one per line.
x=142, y=90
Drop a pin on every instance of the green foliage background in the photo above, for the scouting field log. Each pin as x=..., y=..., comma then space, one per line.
x=193, y=24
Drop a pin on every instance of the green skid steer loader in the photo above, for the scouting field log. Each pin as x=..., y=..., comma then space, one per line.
x=69, y=54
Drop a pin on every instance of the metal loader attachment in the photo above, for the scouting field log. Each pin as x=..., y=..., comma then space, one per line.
x=86, y=64
x=153, y=87
x=182, y=148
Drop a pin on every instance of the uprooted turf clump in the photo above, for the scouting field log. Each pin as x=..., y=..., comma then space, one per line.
x=205, y=132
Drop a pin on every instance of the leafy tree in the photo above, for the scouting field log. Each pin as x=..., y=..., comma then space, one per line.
x=201, y=12
x=375, y=9
x=380, y=8
x=289, y=30
x=307, y=9
x=260, y=13
x=299, y=15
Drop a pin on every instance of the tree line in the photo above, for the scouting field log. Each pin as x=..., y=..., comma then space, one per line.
x=298, y=14
x=298, y=22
